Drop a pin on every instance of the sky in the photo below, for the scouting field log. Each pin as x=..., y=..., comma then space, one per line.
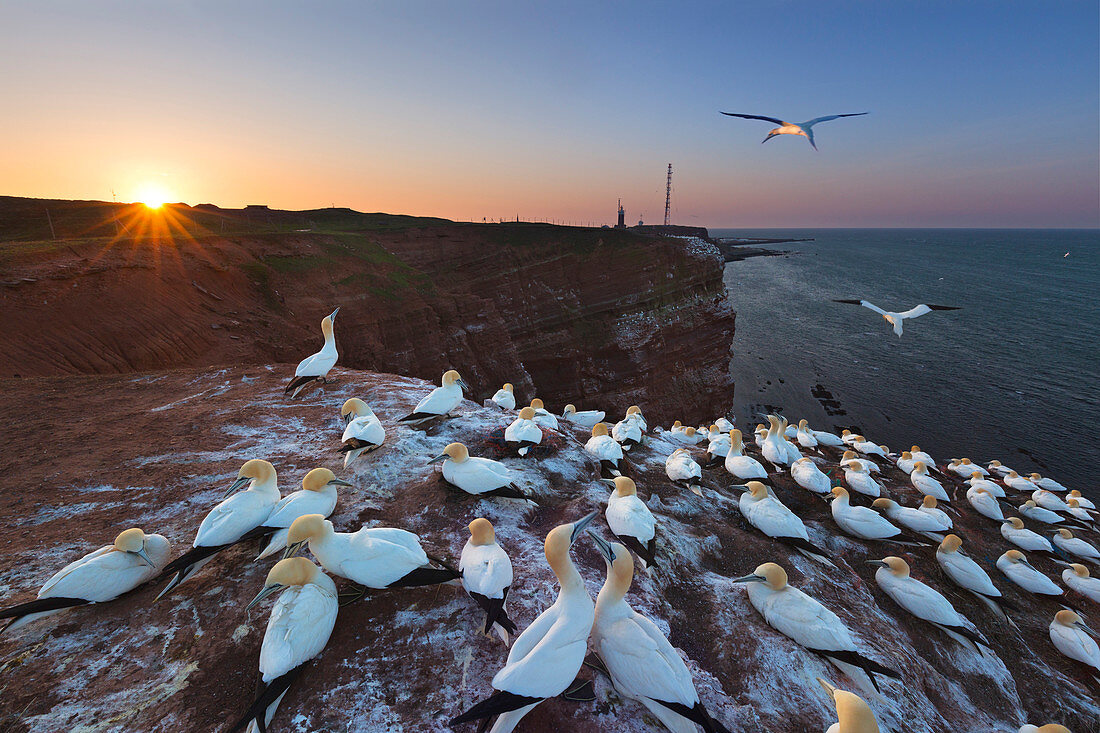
x=982, y=114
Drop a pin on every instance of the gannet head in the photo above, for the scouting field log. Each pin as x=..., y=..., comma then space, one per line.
x=1015, y=556
x=1065, y=534
x=929, y=502
x=677, y=425
x=853, y=714
x=839, y=492
x=508, y=387
x=1075, y=493
x=319, y=478
x=1016, y=522
x=907, y=455
x=769, y=574
x=915, y=449
x=327, y=321
x=599, y=429
x=1012, y=474
x=965, y=462
x=975, y=476
x=951, y=543
x=570, y=409
x=994, y=463
x=620, y=563
x=482, y=532
x=561, y=538
x=713, y=430
x=883, y=503
x=1072, y=503
x=288, y=572
x=353, y=408
x=303, y=529
x=854, y=466
x=757, y=489
x=625, y=486
x=845, y=433
x=803, y=424
x=736, y=437
x=452, y=377
x=256, y=470
x=1079, y=569
x=133, y=541
x=1035, y=477
x=848, y=455
x=537, y=404
x=690, y=431
x=633, y=410
x=1030, y=504
x=527, y=413
x=457, y=452
x=898, y=567
x=1065, y=617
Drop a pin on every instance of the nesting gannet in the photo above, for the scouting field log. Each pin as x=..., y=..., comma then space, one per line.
x=859, y=521
x=682, y=469
x=1047, y=483
x=1076, y=577
x=761, y=436
x=824, y=437
x=1014, y=565
x=477, y=476
x=868, y=448
x=1082, y=501
x=998, y=468
x=584, y=418
x=984, y=503
x=804, y=436
x=1065, y=540
x=317, y=496
x=922, y=601
x=1033, y=511
x=849, y=458
x=724, y=425
x=853, y=714
x=634, y=413
x=103, y=575
x=631, y=521
x=968, y=574
x=487, y=576
x=440, y=401
x=364, y=432
x=718, y=447
x=920, y=455
x=543, y=416
x=299, y=628
x=378, y=557
x=769, y=515
x=677, y=428
x=914, y=519
x=742, y=466
x=505, y=397
x=808, y=623
x=790, y=432
x=1013, y=530
x=774, y=448
x=895, y=319
x=627, y=432
x=314, y=369
x=793, y=454
x=545, y=658
x=992, y=487
x=859, y=480
x=608, y=452
x=805, y=129
x=1072, y=638
x=928, y=506
x=807, y=475
x=849, y=437
x=641, y=662
x=1014, y=480
x=1073, y=506
x=689, y=435
x=1050, y=501
x=229, y=522
x=924, y=483
x=523, y=433
x=906, y=462
x=973, y=468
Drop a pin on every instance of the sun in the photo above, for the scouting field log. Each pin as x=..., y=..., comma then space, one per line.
x=152, y=195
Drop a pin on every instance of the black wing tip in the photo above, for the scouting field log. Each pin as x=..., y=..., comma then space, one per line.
x=945, y=307
x=848, y=302
x=497, y=703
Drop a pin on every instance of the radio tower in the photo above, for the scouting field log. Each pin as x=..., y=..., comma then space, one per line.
x=668, y=196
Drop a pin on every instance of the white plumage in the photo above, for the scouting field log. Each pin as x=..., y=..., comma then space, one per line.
x=896, y=319
x=1018, y=482
x=487, y=575
x=859, y=521
x=629, y=517
x=861, y=481
x=1077, y=578
x=992, y=487
x=1033, y=511
x=317, y=496
x=1013, y=530
x=914, y=519
x=505, y=398
x=682, y=469
x=963, y=570
x=475, y=475
x=921, y=600
x=926, y=484
x=627, y=432
x=824, y=437
x=742, y=466
x=317, y=366
x=583, y=418
x=807, y=475
x=440, y=401
x=1016, y=568
x=985, y=504
x=1065, y=540
x=363, y=433
x=523, y=432
x=1071, y=637
x=1047, y=500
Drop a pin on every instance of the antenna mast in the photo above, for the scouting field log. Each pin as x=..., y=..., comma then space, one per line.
x=668, y=196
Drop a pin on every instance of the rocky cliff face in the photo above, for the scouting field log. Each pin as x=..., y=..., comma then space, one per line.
x=93, y=454
x=600, y=318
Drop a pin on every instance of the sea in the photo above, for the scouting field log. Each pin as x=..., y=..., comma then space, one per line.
x=1014, y=375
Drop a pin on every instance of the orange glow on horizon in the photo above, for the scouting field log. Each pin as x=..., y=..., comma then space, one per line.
x=152, y=195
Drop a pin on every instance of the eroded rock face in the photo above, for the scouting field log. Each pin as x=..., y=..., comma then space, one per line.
x=90, y=455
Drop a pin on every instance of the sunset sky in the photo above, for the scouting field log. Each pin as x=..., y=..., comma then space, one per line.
x=982, y=113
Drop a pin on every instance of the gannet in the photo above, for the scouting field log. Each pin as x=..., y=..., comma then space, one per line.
x=984, y=503
x=1072, y=638
x=229, y=522
x=1048, y=728
x=440, y=401
x=641, y=662
x=604, y=448
x=505, y=397
x=849, y=458
x=896, y=319
x=774, y=448
x=992, y=487
x=924, y=483
x=793, y=454
x=914, y=519
x=973, y=467
x=584, y=418
x=1082, y=501
x=805, y=129
x=919, y=455
x=545, y=658
x=1065, y=540
x=807, y=475
x=103, y=575
x=378, y=557
x=543, y=417
x=314, y=369
x=922, y=601
x=852, y=713
x=627, y=432
x=968, y=574
x=1033, y=511
x=868, y=448
x=808, y=623
x=962, y=470
x=682, y=469
x=1050, y=501
x=300, y=625
x=364, y=432
x=761, y=436
x=824, y=437
x=859, y=521
x=1016, y=481
x=1073, y=506
x=523, y=433
x=998, y=468
x=1014, y=565
x=849, y=437
x=742, y=466
x=477, y=476
x=689, y=435
x=1047, y=483
x=718, y=447
x=487, y=576
x=804, y=436
x=317, y=496
x=905, y=462
x=769, y=515
x=859, y=480
x=928, y=506
x=635, y=413
x=1013, y=530
x=1076, y=576
x=724, y=425
x=631, y=521
x=677, y=428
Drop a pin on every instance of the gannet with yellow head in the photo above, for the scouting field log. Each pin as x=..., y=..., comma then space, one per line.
x=634, y=414
x=969, y=575
x=505, y=397
x=804, y=436
x=824, y=437
x=1019, y=483
x=985, y=503
x=774, y=448
x=313, y=369
x=998, y=468
x=869, y=448
x=1081, y=500
x=770, y=516
x=926, y=484
x=523, y=433
x=606, y=450
x=1048, y=728
x=1074, y=639
x=905, y=462
x=1065, y=540
x=737, y=463
x=317, y=496
x=849, y=458
x=1014, y=565
x=1074, y=508
x=1050, y=501
x=440, y=401
x=631, y=521
x=628, y=431
x=920, y=455
x=363, y=432
x=543, y=417
x=1033, y=511
x=895, y=318
x=487, y=576
x=860, y=481
x=682, y=470
x=583, y=418
x=929, y=506
x=910, y=518
x=1076, y=577
x=853, y=714
x=718, y=446
x=475, y=475
x=807, y=475
x=1013, y=530
x=1044, y=482
x=860, y=521
x=977, y=481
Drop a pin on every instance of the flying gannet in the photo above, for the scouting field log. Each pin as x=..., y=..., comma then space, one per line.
x=505, y=397
x=924, y=483
x=523, y=433
x=545, y=658
x=852, y=713
x=584, y=418
x=896, y=319
x=805, y=129
x=742, y=466
x=100, y=576
x=682, y=469
x=1073, y=638
x=300, y=625
x=477, y=476
x=317, y=496
x=769, y=515
x=1076, y=576
x=487, y=576
x=314, y=369
x=363, y=432
x=440, y=401
x=608, y=452
x=631, y=521
x=1065, y=540
x=544, y=417
x=807, y=475
x=969, y=575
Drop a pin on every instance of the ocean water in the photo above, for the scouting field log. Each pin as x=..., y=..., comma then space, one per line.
x=1014, y=375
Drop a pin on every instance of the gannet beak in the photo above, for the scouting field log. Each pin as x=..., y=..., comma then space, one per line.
x=437, y=459
x=462, y=383
x=348, y=418
x=241, y=481
x=292, y=550
x=1063, y=563
x=608, y=481
x=603, y=545
x=1025, y=562
x=828, y=688
x=1086, y=629
x=333, y=316
x=268, y=590
x=740, y=487
x=144, y=556
x=580, y=524
x=753, y=578
x=879, y=563
x=340, y=482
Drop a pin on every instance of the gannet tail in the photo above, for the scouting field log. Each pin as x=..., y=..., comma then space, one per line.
x=39, y=607
x=500, y=703
x=269, y=697
x=646, y=552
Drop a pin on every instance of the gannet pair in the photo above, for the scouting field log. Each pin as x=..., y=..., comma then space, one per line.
x=804, y=436
x=965, y=468
x=967, y=574
x=682, y=469
x=769, y=515
x=475, y=475
x=523, y=433
x=859, y=521
x=606, y=450
x=849, y=458
x=924, y=483
x=583, y=418
x=631, y=521
x=896, y=319
x=976, y=481
x=363, y=432
x=807, y=475
x=920, y=455
x=776, y=449
x=737, y=463
x=487, y=576
x=317, y=496
x=100, y=576
x=905, y=462
x=804, y=129
x=440, y=401
x=505, y=397
x=313, y=369
x=1074, y=639
x=1015, y=481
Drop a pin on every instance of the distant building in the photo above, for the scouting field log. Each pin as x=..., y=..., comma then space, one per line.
x=622, y=216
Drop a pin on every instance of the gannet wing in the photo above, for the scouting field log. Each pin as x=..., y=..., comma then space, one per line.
x=865, y=304
x=644, y=663
x=300, y=625
x=810, y=123
x=73, y=566
x=755, y=117
x=232, y=518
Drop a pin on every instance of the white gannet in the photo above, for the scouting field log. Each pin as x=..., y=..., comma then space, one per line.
x=737, y=463
x=1082, y=501
x=923, y=601
x=853, y=714
x=906, y=462
x=631, y=521
x=859, y=521
x=314, y=369
x=992, y=487
x=628, y=432
x=689, y=435
x=928, y=506
x=1014, y=566
x=487, y=576
x=231, y=521
x=868, y=448
x=677, y=428
x=1073, y=638
x=849, y=458
x=377, y=557
x=808, y=623
x=718, y=447
x=968, y=574
x=317, y=496
x=924, y=483
x=477, y=476
x=914, y=519
x=364, y=432
x=974, y=468
x=545, y=658
x=298, y=629
x=960, y=469
x=1033, y=511
x=100, y=576
x=849, y=437
x=895, y=319
x=682, y=469
x=1050, y=501
x=859, y=480
x=523, y=433
x=769, y=515
x=1014, y=480
x=635, y=413
x=793, y=454
x=804, y=436
x=824, y=437
x=543, y=416
x=1065, y=540
x=1048, y=728
x=805, y=129
x=724, y=425
x=985, y=503
x=774, y=448
x=807, y=475
x=1013, y=530
x=761, y=436
x=1076, y=577
x=505, y=397
x=606, y=450
x=1073, y=506
x=641, y=662
x=440, y=401
x=998, y=468
x=1047, y=483
x=584, y=418
x=919, y=455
